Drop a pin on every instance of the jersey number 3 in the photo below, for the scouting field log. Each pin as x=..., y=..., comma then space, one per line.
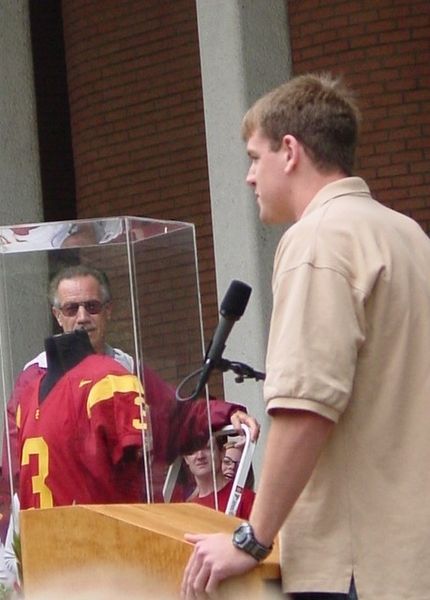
x=38, y=447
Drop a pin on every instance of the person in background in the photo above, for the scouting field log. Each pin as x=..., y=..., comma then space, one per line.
x=81, y=298
x=200, y=465
x=232, y=455
x=345, y=476
x=231, y=459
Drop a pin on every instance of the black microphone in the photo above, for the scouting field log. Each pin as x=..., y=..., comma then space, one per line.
x=232, y=308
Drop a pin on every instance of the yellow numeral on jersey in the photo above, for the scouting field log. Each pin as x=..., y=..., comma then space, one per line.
x=38, y=447
x=138, y=423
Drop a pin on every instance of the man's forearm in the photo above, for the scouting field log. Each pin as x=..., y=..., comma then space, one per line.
x=294, y=443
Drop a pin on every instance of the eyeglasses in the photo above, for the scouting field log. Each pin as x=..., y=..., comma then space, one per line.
x=93, y=307
x=229, y=462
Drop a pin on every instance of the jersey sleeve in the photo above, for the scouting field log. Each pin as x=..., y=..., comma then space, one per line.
x=177, y=427
x=117, y=412
x=25, y=382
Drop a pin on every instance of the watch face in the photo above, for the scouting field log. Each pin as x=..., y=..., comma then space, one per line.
x=241, y=534
x=243, y=538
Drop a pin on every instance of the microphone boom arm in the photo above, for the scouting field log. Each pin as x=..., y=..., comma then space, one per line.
x=241, y=370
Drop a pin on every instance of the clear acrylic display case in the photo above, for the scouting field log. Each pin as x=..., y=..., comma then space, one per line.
x=156, y=318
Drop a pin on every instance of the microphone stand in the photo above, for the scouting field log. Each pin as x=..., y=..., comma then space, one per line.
x=241, y=370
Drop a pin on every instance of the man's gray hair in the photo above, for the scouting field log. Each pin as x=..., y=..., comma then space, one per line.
x=79, y=271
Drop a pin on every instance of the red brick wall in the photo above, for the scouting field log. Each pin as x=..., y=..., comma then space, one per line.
x=137, y=117
x=383, y=49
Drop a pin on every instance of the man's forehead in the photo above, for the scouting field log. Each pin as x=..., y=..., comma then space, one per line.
x=79, y=283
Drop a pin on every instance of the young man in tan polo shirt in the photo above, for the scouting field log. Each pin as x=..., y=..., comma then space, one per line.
x=345, y=478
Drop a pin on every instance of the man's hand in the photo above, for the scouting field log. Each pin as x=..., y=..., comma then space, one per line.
x=239, y=417
x=214, y=559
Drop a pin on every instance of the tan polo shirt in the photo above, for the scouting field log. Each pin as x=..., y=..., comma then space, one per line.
x=350, y=340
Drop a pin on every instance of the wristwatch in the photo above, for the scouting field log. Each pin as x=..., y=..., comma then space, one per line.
x=244, y=539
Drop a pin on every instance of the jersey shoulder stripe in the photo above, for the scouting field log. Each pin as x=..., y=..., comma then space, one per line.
x=111, y=384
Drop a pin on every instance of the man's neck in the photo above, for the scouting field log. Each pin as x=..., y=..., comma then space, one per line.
x=309, y=185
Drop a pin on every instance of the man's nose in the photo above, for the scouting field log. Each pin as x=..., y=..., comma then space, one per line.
x=82, y=314
x=250, y=177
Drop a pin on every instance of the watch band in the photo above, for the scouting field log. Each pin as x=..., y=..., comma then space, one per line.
x=244, y=539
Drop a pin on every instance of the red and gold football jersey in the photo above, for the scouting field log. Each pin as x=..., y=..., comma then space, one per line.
x=73, y=446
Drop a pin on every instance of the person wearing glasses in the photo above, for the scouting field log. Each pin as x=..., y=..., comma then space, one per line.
x=96, y=401
x=199, y=464
x=231, y=459
x=230, y=463
x=81, y=298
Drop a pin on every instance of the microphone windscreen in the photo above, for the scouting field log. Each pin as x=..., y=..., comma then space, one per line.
x=235, y=300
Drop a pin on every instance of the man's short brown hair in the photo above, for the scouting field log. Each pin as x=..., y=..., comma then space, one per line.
x=319, y=111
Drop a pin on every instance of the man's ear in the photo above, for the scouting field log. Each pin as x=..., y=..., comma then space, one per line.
x=291, y=149
x=108, y=309
x=57, y=315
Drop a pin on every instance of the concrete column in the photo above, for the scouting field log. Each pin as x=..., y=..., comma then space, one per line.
x=245, y=52
x=21, y=318
x=20, y=188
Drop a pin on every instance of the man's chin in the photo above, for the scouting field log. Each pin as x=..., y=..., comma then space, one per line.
x=265, y=216
x=267, y=219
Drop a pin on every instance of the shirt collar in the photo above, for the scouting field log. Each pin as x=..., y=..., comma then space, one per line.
x=341, y=187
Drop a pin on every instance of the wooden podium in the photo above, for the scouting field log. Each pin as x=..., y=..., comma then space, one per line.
x=135, y=547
